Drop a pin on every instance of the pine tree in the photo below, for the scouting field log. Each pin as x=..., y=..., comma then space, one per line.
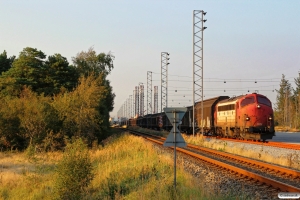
x=5, y=62
x=28, y=69
x=283, y=101
x=296, y=99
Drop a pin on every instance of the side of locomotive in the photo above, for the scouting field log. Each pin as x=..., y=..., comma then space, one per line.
x=208, y=119
x=247, y=117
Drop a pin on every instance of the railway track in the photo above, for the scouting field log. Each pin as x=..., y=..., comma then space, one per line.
x=268, y=143
x=279, y=178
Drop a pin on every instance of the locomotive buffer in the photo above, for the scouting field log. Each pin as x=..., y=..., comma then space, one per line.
x=175, y=138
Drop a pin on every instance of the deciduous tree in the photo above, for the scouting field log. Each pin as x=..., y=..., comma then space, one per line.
x=90, y=62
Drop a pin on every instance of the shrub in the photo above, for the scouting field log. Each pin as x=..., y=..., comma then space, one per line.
x=74, y=172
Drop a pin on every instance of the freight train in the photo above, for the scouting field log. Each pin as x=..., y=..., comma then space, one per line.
x=247, y=116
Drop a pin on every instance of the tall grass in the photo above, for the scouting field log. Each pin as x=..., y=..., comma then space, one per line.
x=124, y=167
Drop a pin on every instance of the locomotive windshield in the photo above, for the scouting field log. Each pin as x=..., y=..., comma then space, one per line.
x=263, y=100
x=247, y=101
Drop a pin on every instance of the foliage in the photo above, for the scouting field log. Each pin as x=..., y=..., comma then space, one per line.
x=43, y=76
x=85, y=111
x=37, y=116
x=283, y=100
x=287, y=106
x=10, y=136
x=74, y=171
x=27, y=119
x=296, y=103
x=60, y=75
x=89, y=62
x=28, y=68
x=5, y=62
x=45, y=101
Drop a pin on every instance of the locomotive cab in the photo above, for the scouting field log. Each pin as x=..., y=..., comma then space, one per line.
x=255, y=116
x=225, y=115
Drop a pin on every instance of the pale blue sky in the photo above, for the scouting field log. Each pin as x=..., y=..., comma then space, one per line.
x=244, y=40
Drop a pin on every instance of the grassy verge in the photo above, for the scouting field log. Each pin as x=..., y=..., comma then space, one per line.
x=124, y=167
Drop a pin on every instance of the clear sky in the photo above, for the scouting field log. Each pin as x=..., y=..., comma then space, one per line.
x=244, y=40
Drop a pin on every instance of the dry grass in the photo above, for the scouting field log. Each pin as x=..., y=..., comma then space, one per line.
x=138, y=172
x=125, y=167
x=22, y=177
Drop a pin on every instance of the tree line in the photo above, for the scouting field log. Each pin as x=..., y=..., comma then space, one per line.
x=287, y=106
x=45, y=100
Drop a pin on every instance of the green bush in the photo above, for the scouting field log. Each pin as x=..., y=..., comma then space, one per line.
x=74, y=172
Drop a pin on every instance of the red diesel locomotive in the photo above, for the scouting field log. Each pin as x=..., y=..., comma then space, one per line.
x=247, y=116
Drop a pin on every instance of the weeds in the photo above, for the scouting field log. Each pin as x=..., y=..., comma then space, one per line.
x=224, y=146
x=74, y=172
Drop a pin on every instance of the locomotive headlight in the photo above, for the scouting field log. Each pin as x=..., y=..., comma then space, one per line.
x=270, y=118
x=258, y=106
x=247, y=118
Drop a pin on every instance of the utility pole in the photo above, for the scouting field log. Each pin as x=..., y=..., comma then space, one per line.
x=164, y=58
x=149, y=92
x=198, y=28
x=141, y=89
x=155, y=109
x=137, y=105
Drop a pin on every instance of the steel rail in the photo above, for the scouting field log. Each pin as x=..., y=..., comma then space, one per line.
x=269, y=143
x=283, y=170
x=276, y=184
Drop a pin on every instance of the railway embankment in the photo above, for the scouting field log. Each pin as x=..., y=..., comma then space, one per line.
x=209, y=172
x=284, y=157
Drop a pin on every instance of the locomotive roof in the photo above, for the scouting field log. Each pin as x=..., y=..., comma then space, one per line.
x=211, y=101
x=215, y=98
x=234, y=98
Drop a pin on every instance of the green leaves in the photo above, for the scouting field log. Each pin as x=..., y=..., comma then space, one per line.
x=89, y=62
x=74, y=171
x=41, y=75
x=5, y=62
x=283, y=101
x=52, y=99
x=287, y=107
x=59, y=74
